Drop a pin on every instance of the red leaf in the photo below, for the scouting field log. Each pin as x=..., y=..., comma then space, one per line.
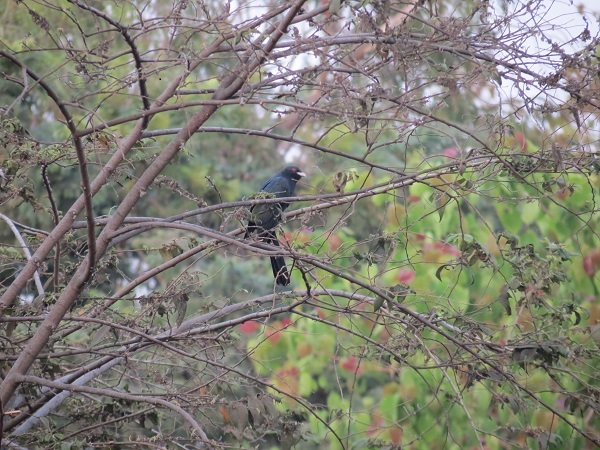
x=249, y=327
x=520, y=138
x=406, y=276
x=588, y=266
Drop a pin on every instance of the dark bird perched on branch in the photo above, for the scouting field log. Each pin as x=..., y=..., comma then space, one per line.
x=266, y=217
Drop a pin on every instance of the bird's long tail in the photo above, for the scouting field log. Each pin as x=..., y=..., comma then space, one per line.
x=280, y=272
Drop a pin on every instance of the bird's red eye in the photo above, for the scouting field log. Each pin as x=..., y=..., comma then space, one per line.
x=294, y=169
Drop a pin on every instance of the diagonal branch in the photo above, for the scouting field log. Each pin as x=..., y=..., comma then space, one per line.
x=230, y=85
x=122, y=396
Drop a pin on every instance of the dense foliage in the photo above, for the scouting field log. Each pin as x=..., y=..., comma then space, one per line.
x=444, y=245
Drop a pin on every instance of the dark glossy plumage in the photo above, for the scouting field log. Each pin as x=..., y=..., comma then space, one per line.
x=266, y=217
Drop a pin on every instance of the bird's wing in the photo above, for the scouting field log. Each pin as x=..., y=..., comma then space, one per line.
x=269, y=215
x=278, y=186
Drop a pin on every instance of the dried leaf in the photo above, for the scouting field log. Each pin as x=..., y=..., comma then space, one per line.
x=181, y=302
x=595, y=333
x=504, y=298
x=257, y=412
x=238, y=415
x=524, y=354
x=268, y=405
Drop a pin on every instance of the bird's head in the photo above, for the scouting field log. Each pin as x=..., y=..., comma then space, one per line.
x=294, y=172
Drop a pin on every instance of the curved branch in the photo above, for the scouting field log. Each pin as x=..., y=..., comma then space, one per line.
x=26, y=252
x=81, y=159
x=134, y=52
x=125, y=145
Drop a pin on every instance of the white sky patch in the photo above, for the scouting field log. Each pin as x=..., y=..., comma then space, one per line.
x=293, y=153
x=561, y=23
x=568, y=17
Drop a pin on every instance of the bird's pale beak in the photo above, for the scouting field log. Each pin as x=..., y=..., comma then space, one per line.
x=301, y=174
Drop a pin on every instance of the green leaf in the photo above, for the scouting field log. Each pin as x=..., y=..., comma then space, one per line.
x=510, y=219
x=438, y=273
x=514, y=404
x=547, y=186
x=360, y=444
x=560, y=251
x=547, y=440
x=469, y=270
x=399, y=292
x=511, y=239
x=441, y=200
x=530, y=212
x=473, y=259
x=389, y=408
